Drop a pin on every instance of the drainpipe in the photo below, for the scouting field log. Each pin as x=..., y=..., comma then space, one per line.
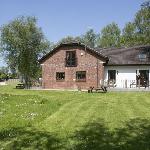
x=97, y=74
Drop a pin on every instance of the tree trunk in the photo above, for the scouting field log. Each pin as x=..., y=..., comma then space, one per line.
x=27, y=82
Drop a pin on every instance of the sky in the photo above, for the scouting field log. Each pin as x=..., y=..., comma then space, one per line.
x=60, y=18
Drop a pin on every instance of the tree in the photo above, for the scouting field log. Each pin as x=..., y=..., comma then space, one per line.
x=109, y=36
x=23, y=42
x=142, y=23
x=89, y=38
x=70, y=39
x=129, y=35
x=79, y=39
x=46, y=47
x=138, y=31
x=4, y=73
x=4, y=69
x=67, y=39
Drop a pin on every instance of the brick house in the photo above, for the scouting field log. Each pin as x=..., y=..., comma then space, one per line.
x=72, y=66
x=76, y=66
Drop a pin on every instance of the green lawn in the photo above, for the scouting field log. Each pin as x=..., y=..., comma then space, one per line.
x=74, y=120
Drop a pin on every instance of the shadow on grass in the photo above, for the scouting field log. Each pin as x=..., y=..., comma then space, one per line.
x=95, y=136
x=135, y=135
x=18, y=138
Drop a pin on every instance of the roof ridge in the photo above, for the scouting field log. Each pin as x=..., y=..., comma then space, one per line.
x=71, y=43
x=126, y=48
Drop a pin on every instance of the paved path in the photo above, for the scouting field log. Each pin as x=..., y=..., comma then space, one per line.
x=3, y=83
x=129, y=89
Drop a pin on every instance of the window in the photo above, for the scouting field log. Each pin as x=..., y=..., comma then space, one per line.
x=112, y=75
x=143, y=76
x=60, y=76
x=71, y=60
x=81, y=76
x=142, y=56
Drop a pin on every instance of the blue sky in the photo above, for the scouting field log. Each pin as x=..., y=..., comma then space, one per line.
x=59, y=18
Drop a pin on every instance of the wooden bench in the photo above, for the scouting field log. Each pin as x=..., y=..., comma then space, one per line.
x=102, y=88
x=20, y=86
x=90, y=89
x=141, y=85
x=132, y=84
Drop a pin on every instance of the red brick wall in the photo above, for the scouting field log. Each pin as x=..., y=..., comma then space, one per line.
x=56, y=63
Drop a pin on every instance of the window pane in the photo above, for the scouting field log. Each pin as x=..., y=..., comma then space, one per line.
x=60, y=75
x=143, y=76
x=81, y=76
x=142, y=57
x=112, y=75
x=71, y=58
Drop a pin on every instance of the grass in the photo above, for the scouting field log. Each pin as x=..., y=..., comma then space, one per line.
x=74, y=120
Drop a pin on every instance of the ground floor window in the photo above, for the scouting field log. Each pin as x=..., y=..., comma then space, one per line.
x=60, y=76
x=112, y=75
x=81, y=76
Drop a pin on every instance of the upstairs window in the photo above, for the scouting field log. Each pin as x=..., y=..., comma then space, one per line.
x=71, y=60
x=60, y=76
x=142, y=57
x=81, y=76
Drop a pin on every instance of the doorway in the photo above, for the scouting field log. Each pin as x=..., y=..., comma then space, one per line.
x=111, y=78
x=142, y=78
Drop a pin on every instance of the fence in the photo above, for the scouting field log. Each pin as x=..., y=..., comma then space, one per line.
x=125, y=84
x=9, y=81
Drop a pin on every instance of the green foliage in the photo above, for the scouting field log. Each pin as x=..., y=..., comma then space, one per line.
x=138, y=31
x=134, y=33
x=79, y=39
x=110, y=36
x=3, y=76
x=70, y=39
x=129, y=35
x=4, y=70
x=89, y=38
x=4, y=73
x=67, y=39
x=23, y=43
x=45, y=47
x=142, y=23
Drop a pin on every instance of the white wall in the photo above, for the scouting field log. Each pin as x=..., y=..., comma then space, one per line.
x=124, y=73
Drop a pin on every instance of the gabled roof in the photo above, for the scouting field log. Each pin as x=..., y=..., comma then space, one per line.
x=97, y=53
x=127, y=56
x=113, y=56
